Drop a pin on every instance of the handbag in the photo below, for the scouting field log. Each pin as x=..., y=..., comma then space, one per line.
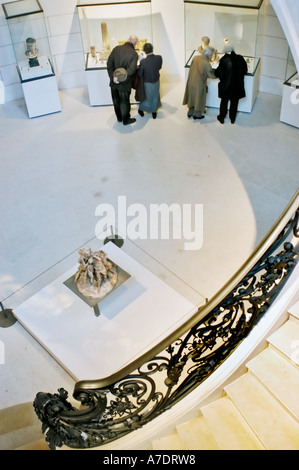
x=140, y=93
x=135, y=80
x=207, y=88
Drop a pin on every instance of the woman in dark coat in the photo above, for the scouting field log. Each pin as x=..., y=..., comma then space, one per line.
x=149, y=72
x=231, y=71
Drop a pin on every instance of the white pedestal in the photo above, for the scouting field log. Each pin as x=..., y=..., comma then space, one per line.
x=98, y=87
x=99, y=90
x=289, y=112
x=41, y=96
x=133, y=318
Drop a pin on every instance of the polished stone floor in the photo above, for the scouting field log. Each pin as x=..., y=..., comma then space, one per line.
x=56, y=170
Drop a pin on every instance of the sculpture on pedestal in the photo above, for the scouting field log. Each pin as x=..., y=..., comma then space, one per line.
x=96, y=275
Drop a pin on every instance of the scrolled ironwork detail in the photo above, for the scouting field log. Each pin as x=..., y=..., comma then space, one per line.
x=111, y=412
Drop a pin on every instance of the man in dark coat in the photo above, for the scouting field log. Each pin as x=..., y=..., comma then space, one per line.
x=231, y=71
x=124, y=57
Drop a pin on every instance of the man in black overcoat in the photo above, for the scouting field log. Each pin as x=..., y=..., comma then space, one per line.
x=124, y=57
x=231, y=71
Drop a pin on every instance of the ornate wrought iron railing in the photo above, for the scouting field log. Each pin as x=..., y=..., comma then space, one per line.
x=125, y=401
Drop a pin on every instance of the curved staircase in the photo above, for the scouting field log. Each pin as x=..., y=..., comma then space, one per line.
x=259, y=410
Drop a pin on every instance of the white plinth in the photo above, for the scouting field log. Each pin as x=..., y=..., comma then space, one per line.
x=98, y=87
x=99, y=91
x=41, y=96
x=289, y=112
x=133, y=317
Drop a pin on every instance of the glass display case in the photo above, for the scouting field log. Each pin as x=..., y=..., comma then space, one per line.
x=29, y=37
x=223, y=22
x=293, y=81
x=291, y=72
x=50, y=305
x=218, y=24
x=252, y=62
x=105, y=25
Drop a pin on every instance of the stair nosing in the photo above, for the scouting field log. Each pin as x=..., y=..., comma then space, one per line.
x=250, y=413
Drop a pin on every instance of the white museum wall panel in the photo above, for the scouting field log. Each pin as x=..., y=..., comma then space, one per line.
x=66, y=45
x=288, y=12
x=168, y=38
x=274, y=64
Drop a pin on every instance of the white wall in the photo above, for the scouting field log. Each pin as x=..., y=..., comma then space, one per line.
x=275, y=52
x=168, y=38
x=288, y=14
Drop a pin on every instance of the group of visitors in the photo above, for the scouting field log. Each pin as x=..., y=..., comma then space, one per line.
x=122, y=67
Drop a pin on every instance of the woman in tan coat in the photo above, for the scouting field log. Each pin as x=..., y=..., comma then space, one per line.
x=196, y=86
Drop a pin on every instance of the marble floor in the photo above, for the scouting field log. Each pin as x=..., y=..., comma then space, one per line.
x=56, y=170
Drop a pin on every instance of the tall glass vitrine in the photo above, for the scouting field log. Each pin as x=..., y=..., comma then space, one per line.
x=29, y=38
x=103, y=26
x=225, y=22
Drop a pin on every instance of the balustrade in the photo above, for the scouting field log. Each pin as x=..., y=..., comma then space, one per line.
x=117, y=405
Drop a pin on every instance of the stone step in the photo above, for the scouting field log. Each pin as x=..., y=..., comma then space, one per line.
x=228, y=426
x=196, y=435
x=294, y=310
x=20, y=428
x=40, y=444
x=280, y=376
x=20, y=437
x=16, y=417
x=286, y=340
x=271, y=422
x=19, y=425
x=171, y=442
x=260, y=410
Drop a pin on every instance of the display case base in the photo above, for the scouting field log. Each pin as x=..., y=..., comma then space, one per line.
x=99, y=91
x=41, y=96
x=98, y=87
